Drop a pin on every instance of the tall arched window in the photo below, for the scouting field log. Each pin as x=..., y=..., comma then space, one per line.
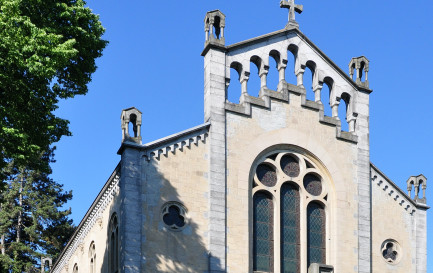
x=263, y=232
x=290, y=237
x=92, y=258
x=114, y=245
x=288, y=186
x=316, y=234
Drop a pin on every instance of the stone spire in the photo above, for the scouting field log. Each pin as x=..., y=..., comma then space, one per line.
x=131, y=117
x=359, y=65
x=419, y=183
x=292, y=7
x=214, y=24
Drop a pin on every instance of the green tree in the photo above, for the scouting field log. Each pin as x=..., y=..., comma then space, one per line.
x=47, y=53
x=32, y=221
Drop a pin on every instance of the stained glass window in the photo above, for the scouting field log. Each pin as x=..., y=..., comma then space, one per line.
x=263, y=237
x=290, y=166
x=288, y=208
x=266, y=174
x=316, y=229
x=290, y=237
x=313, y=184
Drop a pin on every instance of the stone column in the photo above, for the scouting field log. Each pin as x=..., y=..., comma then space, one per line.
x=364, y=184
x=421, y=239
x=351, y=121
x=244, y=85
x=263, y=74
x=281, y=74
x=317, y=93
x=130, y=218
x=300, y=77
x=214, y=103
x=334, y=107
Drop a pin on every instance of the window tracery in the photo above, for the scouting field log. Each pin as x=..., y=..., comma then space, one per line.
x=391, y=251
x=290, y=195
x=174, y=216
x=266, y=175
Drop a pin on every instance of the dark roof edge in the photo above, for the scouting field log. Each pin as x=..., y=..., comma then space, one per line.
x=101, y=193
x=417, y=205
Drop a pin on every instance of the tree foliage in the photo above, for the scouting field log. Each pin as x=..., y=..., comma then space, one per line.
x=47, y=52
x=32, y=223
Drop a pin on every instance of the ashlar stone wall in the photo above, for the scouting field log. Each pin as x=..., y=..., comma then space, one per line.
x=397, y=219
x=290, y=126
x=176, y=177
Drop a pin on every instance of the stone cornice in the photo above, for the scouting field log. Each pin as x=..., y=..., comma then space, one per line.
x=264, y=101
x=170, y=143
x=105, y=196
x=379, y=179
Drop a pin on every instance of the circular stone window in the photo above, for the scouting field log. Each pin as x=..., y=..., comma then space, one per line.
x=266, y=175
x=290, y=166
x=391, y=251
x=174, y=216
x=313, y=184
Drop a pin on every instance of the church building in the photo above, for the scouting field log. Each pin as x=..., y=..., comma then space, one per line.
x=268, y=184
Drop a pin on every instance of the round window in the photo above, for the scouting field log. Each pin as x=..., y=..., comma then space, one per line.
x=391, y=251
x=174, y=216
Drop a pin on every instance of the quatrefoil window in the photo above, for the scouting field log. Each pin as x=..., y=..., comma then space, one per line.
x=391, y=251
x=174, y=216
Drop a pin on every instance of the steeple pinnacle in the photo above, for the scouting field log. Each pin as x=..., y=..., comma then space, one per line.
x=292, y=7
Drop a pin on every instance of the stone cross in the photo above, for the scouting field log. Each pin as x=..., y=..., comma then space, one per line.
x=292, y=9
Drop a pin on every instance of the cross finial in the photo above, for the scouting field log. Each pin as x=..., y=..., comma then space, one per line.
x=292, y=9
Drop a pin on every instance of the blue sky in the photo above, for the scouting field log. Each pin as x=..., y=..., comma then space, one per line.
x=153, y=62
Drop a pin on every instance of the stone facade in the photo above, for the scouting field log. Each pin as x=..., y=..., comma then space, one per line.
x=187, y=202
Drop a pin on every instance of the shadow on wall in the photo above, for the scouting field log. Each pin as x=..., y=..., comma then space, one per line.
x=172, y=238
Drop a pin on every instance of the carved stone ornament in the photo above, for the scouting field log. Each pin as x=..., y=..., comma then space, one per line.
x=81, y=248
x=100, y=222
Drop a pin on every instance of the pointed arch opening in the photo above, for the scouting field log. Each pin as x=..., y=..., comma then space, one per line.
x=234, y=89
x=113, y=245
x=92, y=258
x=254, y=83
x=308, y=79
x=75, y=268
x=273, y=75
x=343, y=110
x=328, y=84
x=291, y=62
